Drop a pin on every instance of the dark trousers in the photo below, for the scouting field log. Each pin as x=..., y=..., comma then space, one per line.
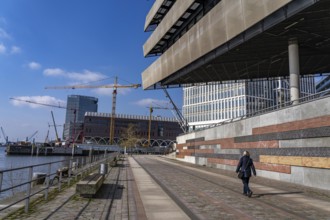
x=246, y=188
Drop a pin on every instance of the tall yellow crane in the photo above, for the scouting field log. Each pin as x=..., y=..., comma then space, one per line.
x=115, y=86
x=151, y=109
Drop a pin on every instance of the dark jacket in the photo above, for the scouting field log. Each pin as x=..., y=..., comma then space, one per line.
x=246, y=163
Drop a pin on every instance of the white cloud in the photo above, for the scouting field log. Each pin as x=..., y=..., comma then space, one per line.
x=15, y=50
x=2, y=49
x=109, y=91
x=103, y=91
x=34, y=65
x=4, y=34
x=151, y=102
x=54, y=72
x=37, y=101
x=85, y=76
x=76, y=77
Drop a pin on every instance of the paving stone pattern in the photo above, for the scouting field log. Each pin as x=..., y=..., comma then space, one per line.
x=202, y=192
x=216, y=195
x=111, y=201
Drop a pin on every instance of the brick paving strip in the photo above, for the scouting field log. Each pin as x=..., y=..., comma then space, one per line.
x=157, y=204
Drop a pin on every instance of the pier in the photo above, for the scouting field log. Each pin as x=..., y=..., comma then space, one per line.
x=158, y=187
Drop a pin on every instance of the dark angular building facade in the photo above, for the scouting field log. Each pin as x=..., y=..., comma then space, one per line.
x=77, y=106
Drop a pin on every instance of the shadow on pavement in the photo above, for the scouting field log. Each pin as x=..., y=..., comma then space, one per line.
x=256, y=195
x=106, y=191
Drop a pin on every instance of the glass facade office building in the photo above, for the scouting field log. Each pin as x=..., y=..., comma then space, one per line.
x=210, y=104
x=77, y=106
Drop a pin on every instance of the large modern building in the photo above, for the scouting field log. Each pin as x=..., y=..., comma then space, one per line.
x=211, y=104
x=226, y=40
x=77, y=106
x=220, y=40
x=163, y=131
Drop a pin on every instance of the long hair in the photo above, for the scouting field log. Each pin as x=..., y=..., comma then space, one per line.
x=246, y=153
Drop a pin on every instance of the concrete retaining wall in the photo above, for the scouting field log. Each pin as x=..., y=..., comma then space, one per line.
x=291, y=144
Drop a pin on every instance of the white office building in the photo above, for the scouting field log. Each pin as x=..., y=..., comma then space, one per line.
x=214, y=103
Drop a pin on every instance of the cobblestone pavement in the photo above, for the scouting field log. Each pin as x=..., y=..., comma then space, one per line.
x=202, y=192
x=209, y=193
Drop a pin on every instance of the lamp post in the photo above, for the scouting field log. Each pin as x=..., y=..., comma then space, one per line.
x=195, y=150
x=149, y=128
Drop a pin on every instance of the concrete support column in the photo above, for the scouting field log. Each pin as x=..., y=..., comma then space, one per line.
x=294, y=70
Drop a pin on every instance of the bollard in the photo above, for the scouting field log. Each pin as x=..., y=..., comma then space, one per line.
x=103, y=169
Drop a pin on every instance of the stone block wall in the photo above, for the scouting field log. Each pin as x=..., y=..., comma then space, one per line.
x=291, y=144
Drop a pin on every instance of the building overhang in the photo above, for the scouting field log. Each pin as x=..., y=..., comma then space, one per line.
x=156, y=14
x=252, y=46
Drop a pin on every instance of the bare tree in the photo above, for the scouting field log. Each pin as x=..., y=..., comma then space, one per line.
x=129, y=137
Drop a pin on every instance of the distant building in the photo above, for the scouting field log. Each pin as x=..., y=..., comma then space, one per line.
x=77, y=106
x=163, y=130
x=210, y=104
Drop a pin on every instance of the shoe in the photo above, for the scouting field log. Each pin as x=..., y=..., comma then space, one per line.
x=245, y=194
x=250, y=194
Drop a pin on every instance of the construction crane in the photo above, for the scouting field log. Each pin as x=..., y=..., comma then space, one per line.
x=4, y=135
x=31, y=136
x=57, y=139
x=46, y=138
x=115, y=86
x=38, y=103
x=151, y=110
x=49, y=105
x=47, y=135
x=182, y=121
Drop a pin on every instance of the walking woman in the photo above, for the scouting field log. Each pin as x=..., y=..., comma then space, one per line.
x=245, y=164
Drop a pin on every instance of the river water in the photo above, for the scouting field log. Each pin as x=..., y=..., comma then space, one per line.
x=20, y=176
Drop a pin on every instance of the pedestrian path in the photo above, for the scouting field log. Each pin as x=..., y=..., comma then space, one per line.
x=144, y=187
x=157, y=204
x=128, y=192
x=210, y=193
x=268, y=187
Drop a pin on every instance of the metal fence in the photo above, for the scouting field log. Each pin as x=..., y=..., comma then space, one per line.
x=52, y=179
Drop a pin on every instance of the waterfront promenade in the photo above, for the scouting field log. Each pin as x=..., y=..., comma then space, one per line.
x=156, y=187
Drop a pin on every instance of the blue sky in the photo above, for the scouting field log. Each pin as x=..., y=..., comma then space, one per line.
x=66, y=42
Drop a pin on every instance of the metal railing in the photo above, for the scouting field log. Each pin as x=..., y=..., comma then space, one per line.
x=77, y=167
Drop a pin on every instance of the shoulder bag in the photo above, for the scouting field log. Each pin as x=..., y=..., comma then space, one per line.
x=241, y=171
